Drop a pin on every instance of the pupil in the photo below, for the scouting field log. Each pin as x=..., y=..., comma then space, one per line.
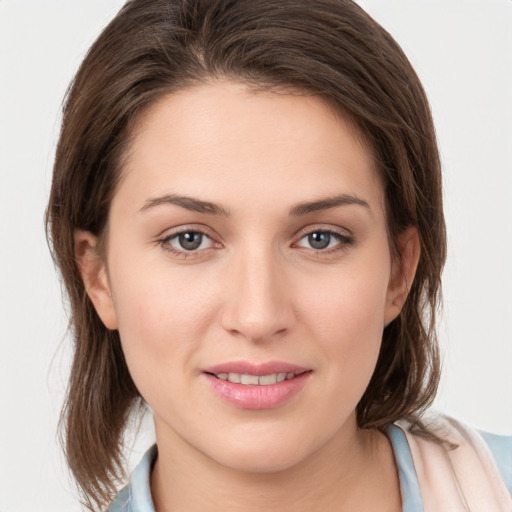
x=319, y=240
x=190, y=241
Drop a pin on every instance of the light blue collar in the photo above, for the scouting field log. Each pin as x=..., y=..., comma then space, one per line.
x=409, y=485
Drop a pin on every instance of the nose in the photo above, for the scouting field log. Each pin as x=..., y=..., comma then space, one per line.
x=258, y=304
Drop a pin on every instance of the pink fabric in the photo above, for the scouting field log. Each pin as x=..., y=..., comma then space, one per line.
x=461, y=479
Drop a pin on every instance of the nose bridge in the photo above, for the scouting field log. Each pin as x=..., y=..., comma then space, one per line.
x=259, y=306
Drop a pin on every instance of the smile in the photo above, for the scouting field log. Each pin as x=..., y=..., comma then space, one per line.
x=252, y=386
x=256, y=380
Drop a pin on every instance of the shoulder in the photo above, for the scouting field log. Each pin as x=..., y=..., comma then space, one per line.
x=457, y=463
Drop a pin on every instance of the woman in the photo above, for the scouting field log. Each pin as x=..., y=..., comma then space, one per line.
x=247, y=214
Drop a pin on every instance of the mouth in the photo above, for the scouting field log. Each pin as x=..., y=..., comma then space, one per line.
x=247, y=379
x=252, y=386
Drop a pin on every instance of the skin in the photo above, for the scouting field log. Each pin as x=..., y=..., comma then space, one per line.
x=255, y=290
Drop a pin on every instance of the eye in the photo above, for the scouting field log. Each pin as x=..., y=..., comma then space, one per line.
x=323, y=240
x=187, y=242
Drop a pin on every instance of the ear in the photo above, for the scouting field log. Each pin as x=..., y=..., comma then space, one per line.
x=93, y=270
x=403, y=269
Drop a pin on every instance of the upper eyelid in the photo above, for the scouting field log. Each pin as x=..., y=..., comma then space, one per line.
x=324, y=229
x=165, y=241
x=342, y=238
x=170, y=233
x=186, y=228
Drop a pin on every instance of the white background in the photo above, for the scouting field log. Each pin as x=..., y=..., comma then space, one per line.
x=462, y=50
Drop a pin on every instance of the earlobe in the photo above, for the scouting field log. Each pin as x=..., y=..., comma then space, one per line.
x=403, y=270
x=93, y=271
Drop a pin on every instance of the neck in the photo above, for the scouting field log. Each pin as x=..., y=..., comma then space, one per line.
x=337, y=476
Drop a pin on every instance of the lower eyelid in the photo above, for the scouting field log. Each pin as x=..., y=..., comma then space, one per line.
x=169, y=243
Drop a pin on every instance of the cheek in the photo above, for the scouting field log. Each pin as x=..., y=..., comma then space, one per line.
x=345, y=315
x=350, y=301
x=162, y=318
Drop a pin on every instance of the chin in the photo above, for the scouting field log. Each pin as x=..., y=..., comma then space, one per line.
x=263, y=454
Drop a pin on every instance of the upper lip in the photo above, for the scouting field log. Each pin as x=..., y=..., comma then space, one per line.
x=249, y=368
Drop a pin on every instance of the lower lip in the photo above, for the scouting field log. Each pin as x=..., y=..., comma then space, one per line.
x=257, y=397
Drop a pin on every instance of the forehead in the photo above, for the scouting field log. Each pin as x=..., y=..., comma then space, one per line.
x=204, y=138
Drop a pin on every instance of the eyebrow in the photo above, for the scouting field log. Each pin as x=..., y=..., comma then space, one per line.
x=328, y=203
x=189, y=203
x=200, y=206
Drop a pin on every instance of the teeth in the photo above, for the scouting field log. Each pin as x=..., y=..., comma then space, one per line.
x=249, y=379
x=255, y=380
x=265, y=380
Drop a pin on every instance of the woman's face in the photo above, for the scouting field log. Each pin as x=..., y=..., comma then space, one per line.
x=247, y=241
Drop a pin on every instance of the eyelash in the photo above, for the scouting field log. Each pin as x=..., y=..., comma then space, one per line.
x=344, y=241
x=165, y=242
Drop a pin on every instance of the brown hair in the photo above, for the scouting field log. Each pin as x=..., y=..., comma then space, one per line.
x=328, y=48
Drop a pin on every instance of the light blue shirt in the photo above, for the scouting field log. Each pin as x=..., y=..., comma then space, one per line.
x=136, y=496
